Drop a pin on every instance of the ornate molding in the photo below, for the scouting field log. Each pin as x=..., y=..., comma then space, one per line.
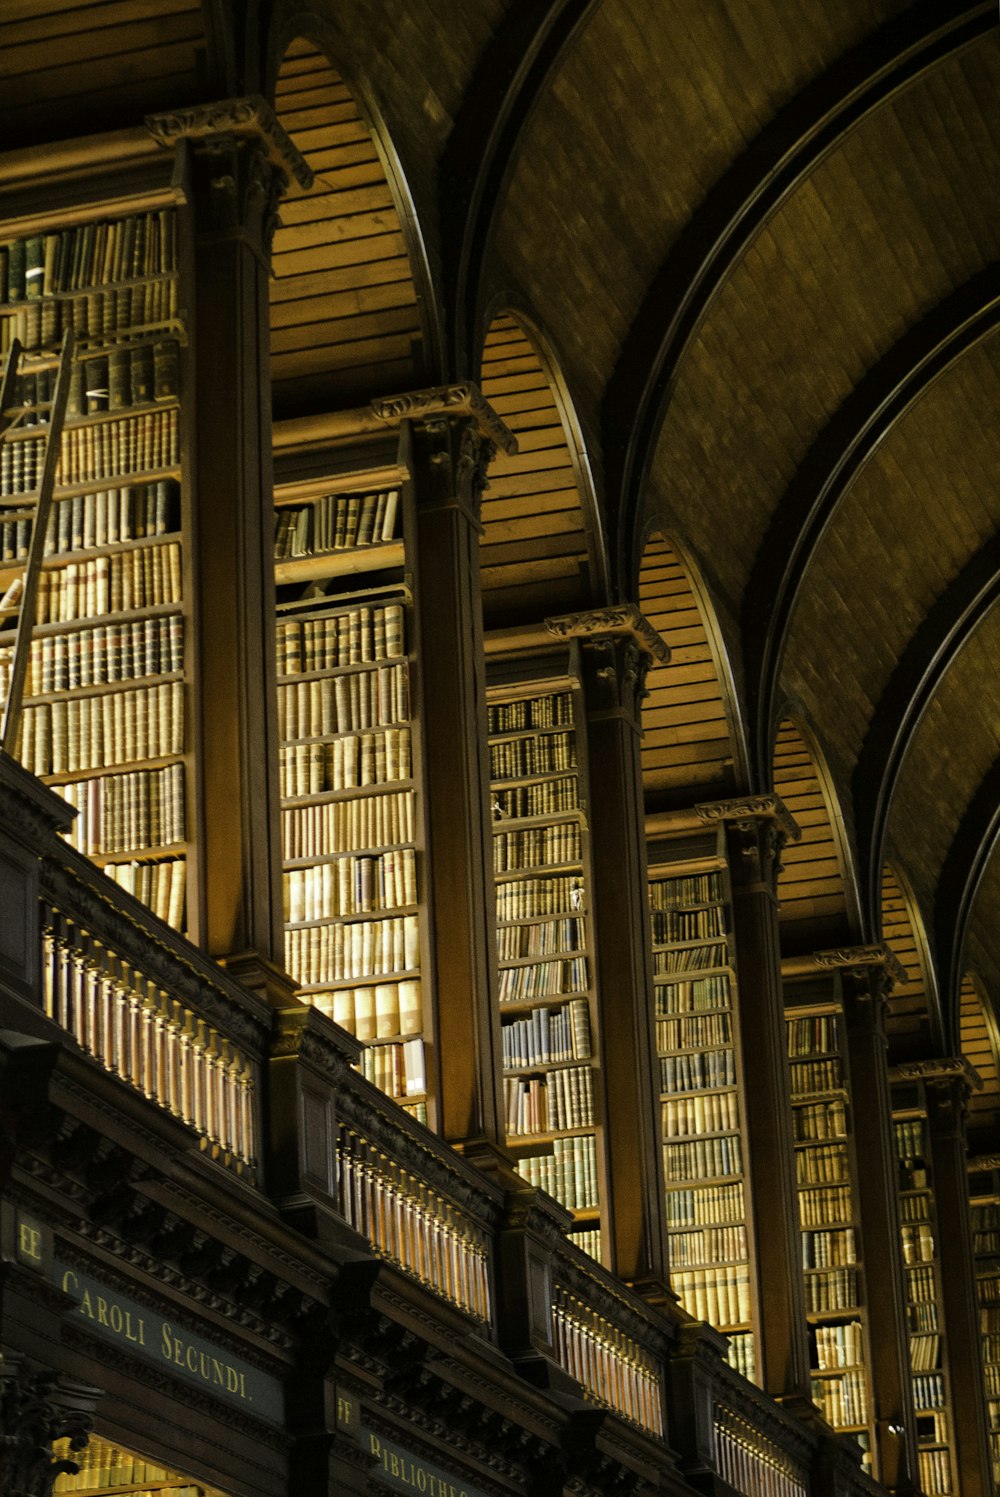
x=983, y=1162
x=250, y=117
x=29, y=809
x=944, y=1068
x=36, y=1408
x=623, y=618
x=751, y=808
x=461, y=399
x=526, y=1211
x=878, y=954
x=139, y=940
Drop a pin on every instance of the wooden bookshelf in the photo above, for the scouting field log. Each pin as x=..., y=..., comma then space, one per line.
x=922, y=1270
x=351, y=816
x=538, y=780
x=826, y=1171
x=984, y=1205
x=709, y=1225
x=105, y=717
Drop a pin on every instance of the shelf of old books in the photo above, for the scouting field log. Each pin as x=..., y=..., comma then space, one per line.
x=104, y=715
x=831, y=1259
x=349, y=775
x=984, y=1205
x=544, y=940
x=922, y=1271
x=709, y=1239
x=105, y=1467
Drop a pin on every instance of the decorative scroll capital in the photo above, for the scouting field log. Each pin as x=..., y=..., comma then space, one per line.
x=462, y=399
x=864, y=959
x=982, y=1162
x=308, y=1035
x=752, y=808
x=624, y=618
x=251, y=116
x=941, y=1069
x=37, y=1408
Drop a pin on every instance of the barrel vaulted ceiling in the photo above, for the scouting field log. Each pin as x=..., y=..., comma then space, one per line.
x=759, y=245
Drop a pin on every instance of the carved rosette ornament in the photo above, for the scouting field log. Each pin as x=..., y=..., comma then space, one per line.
x=246, y=158
x=36, y=1409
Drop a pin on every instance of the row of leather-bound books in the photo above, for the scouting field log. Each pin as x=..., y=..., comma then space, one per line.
x=117, y=582
x=381, y=1011
x=719, y=1295
x=105, y=517
x=843, y=1399
x=543, y=799
x=839, y=1345
x=829, y=1247
x=126, y=650
x=553, y=709
x=336, y=522
x=91, y=254
x=123, y=813
x=692, y=995
x=80, y=733
x=547, y=1035
x=543, y=980
x=568, y=1174
x=361, y=761
x=697, y=1032
x=708, y=1245
x=358, y=823
x=125, y=376
x=522, y=899
x=536, y=847
x=399, y=1070
x=357, y=884
x=705, y=1205
x=703, y=1158
x=542, y=938
x=831, y=1289
x=338, y=638
x=697, y=1070
x=560, y=1099
x=342, y=951
x=689, y=889
x=99, y=319
x=100, y=452
x=346, y=703
x=543, y=753
x=696, y=1113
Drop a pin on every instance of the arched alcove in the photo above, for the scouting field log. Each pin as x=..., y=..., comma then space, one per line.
x=348, y=311
x=690, y=750
x=817, y=899
x=913, y=1023
x=979, y=1038
x=541, y=551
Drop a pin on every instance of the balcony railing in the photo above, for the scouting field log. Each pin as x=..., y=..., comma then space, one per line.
x=607, y=1340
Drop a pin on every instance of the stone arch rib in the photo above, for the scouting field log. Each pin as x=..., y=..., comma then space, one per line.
x=736, y=209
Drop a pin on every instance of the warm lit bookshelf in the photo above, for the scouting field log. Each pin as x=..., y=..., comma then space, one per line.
x=984, y=1201
x=348, y=769
x=922, y=1271
x=709, y=1234
x=104, y=719
x=538, y=780
x=107, y=1467
x=826, y=1172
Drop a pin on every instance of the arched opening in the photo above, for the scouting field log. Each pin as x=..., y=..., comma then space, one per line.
x=348, y=317
x=979, y=1038
x=541, y=551
x=913, y=1023
x=690, y=749
x=817, y=899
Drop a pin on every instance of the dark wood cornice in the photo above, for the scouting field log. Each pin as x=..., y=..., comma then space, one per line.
x=735, y=210
x=935, y=645
x=961, y=874
x=884, y=397
x=512, y=75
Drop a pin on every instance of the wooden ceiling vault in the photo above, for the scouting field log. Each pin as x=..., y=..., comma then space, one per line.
x=763, y=244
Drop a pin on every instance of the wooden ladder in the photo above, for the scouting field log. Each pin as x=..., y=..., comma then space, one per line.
x=21, y=596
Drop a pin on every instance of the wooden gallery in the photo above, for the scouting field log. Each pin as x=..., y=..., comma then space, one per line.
x=499, y=789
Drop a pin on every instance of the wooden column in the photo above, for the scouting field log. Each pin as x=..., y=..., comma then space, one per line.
x=756, y=829
x=948, y=1083
x=868, y=975
x=453, y=434
x=617, y=646
x=236, y=160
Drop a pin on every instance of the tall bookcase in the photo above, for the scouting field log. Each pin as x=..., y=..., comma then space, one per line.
x=709, y=1230
x=351, y=812
x=826, y=1172
x=544, y=931
x=984, y=1204
x=105, y=717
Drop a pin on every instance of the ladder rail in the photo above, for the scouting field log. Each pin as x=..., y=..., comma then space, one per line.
x=36, y=549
